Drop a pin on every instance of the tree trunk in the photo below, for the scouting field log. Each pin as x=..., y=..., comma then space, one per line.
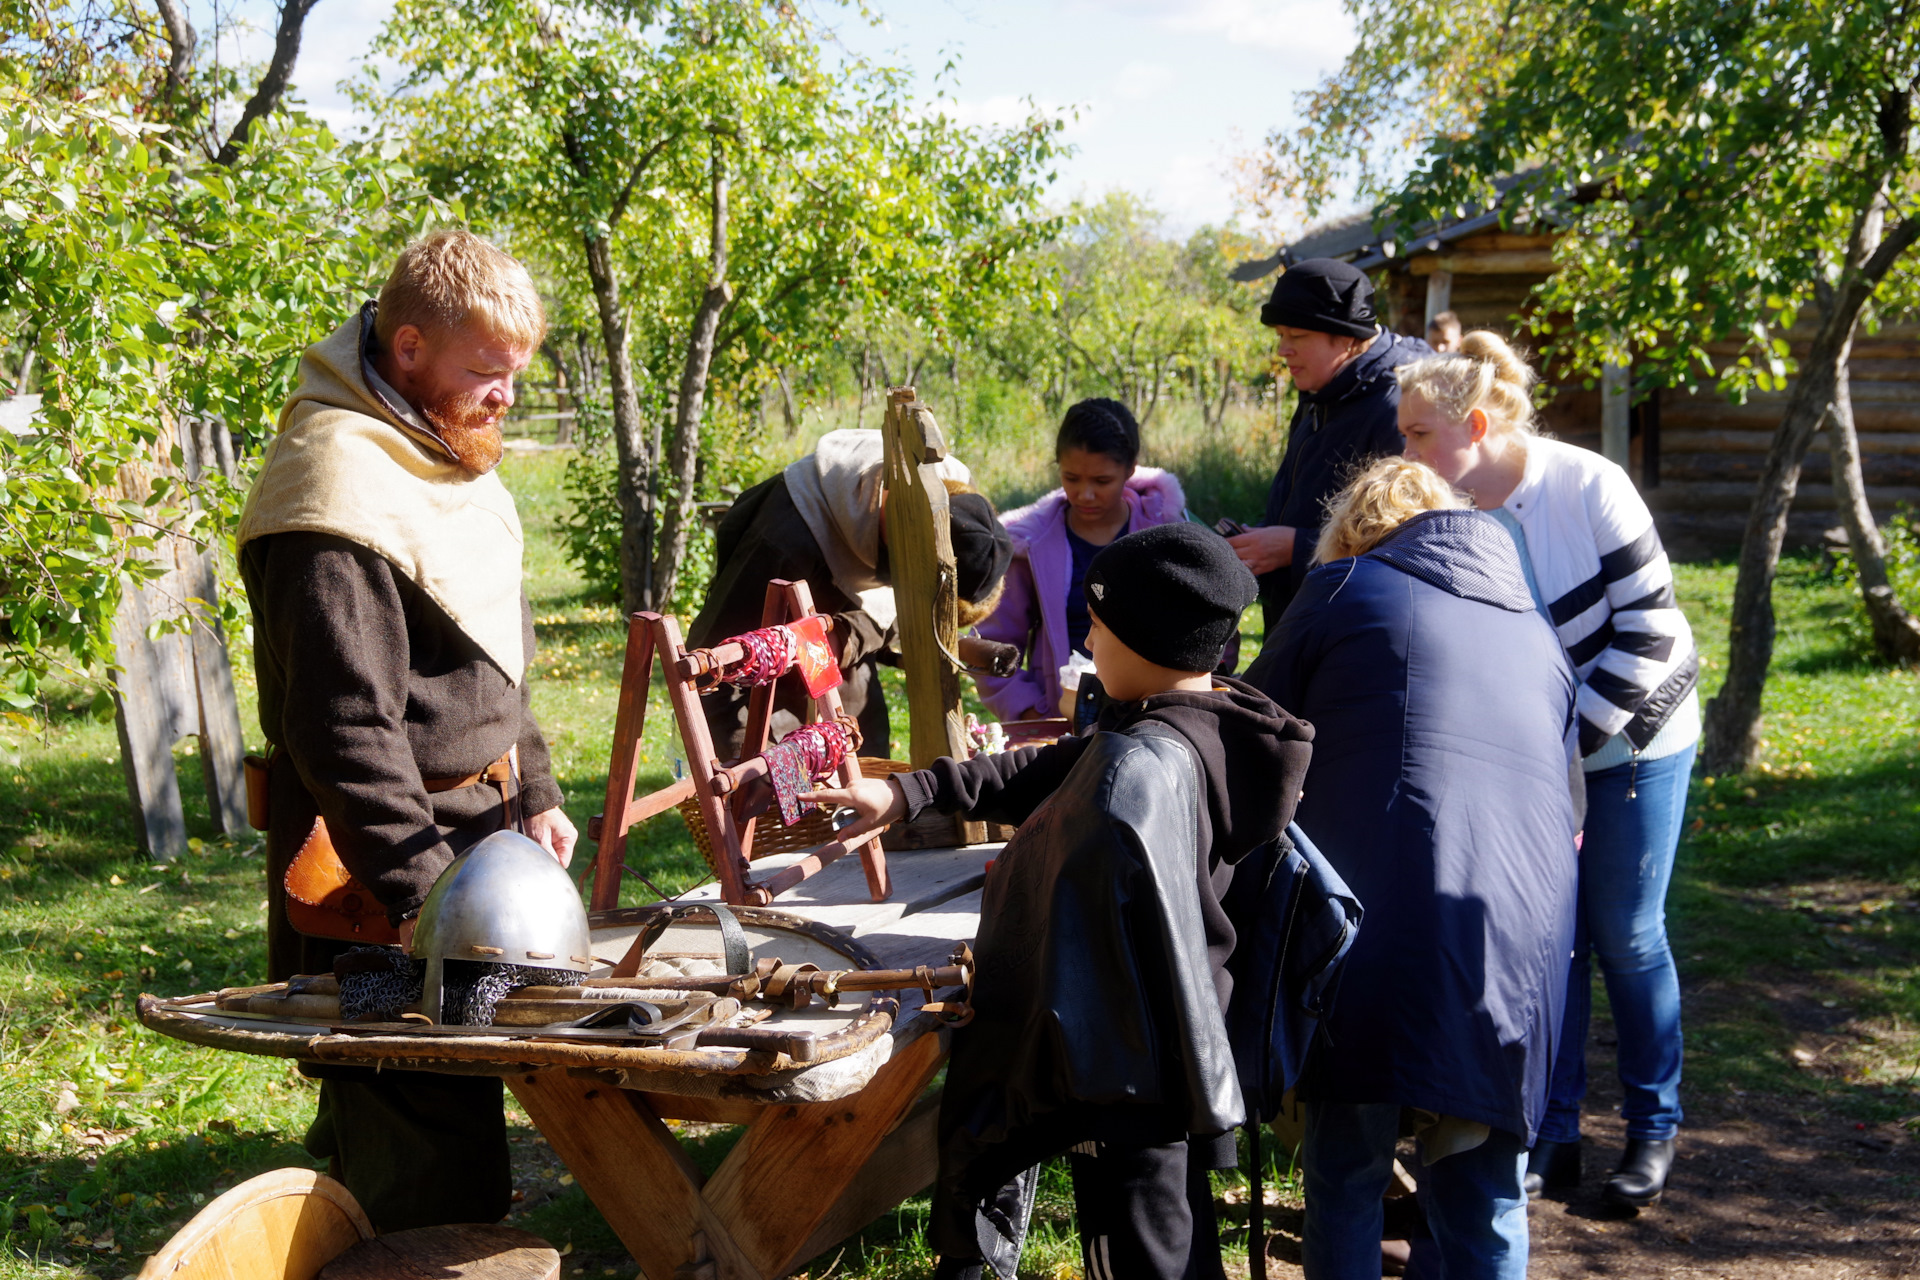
x=789, y=410
x=684, y=462
x=1732, y=737
x=1896, y=634
x=629, y=433
x=563, y=398
x=273, y=84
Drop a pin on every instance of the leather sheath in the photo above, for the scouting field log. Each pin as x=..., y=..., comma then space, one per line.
x=323, y=898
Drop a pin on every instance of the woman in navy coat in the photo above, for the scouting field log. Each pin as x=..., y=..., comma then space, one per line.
x=1442, y=705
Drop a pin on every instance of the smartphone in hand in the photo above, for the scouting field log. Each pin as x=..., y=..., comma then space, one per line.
x=1227, y=527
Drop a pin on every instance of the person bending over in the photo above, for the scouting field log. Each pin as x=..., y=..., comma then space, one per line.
x=1442, y=708
x=821, y=521
x=1101, y=983
x=1103, y=495
x=1595, y=567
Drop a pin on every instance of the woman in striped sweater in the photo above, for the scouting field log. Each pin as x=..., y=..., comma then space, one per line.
x=1594, y=562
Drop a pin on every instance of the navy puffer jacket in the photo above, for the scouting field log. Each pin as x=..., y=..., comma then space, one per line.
x=1442, y=707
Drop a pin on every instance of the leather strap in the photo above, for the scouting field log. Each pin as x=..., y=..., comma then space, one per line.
x=499, y=772
x=737, y=954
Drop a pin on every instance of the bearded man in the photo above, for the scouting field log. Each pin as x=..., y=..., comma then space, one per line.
x=382, y=559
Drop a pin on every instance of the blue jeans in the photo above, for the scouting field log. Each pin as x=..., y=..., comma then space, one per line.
x=1474, y=1202
x=1626, y=863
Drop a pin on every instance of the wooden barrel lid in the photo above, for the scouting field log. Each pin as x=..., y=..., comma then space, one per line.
x=448, y=1253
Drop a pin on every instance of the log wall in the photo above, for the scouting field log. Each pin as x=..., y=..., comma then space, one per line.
x=1695, y=456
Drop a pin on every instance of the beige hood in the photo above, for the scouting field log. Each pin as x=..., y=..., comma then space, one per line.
x=837, y=489
x=345, y=464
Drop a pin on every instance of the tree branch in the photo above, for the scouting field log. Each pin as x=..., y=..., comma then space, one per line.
x=626, y=193
x=286, y=49
x=181, y=40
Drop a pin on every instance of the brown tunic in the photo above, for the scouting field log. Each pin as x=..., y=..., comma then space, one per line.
x=367, y=687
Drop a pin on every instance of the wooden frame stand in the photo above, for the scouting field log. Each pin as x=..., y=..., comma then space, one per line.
x=650, y=635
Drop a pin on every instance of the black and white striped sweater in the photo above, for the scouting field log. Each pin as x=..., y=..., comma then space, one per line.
x=1599, y=565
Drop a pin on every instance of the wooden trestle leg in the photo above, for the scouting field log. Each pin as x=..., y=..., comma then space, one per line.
x=799, y=1179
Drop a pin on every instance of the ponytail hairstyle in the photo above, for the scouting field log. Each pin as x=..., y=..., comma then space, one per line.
x=1100, y=426
x=1379, y=500
x=1485, y=374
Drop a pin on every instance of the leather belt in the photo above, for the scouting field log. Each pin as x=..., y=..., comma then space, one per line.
x=499, y=771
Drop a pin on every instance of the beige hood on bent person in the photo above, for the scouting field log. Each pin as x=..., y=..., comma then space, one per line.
x=345, y=464
x=837, y=489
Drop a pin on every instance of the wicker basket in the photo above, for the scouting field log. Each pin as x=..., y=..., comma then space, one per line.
x=769, y=836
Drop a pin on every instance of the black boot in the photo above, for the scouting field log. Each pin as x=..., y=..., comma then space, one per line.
x=1552, y=1166
x=1642, y=1174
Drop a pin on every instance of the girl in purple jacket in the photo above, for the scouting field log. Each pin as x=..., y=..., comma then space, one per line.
x=1103, y=495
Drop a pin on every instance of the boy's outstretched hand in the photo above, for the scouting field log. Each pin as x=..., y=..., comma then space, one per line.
x=875, y=801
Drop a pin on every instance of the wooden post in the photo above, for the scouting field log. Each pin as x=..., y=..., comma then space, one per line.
x=1616, y=399
x=920, y=551
x=1439, y=296
x=629, y=722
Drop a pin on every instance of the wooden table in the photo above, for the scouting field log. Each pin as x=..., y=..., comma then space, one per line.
x=827, y=1149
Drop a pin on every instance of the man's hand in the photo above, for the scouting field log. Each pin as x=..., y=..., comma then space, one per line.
x=555, y=832
x=1264, y=549
x=875, y=801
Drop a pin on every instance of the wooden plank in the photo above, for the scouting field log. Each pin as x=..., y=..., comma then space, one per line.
x=1499, y=262
x=148, y=695
x=1728, y=495
x=635, y=1172
x=222, y=744
x=838, y=895
x=1697, y=440
x=920, y=550
x=1702, y=412
x=902, y=1166
x=772, y=1212
x=680, y=1106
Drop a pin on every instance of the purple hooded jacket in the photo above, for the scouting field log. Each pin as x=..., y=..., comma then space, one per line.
x=1033, y=608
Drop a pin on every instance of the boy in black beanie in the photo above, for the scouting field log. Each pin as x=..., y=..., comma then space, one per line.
x=1101, y=982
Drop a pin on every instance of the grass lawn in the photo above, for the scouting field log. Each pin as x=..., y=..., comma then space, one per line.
x=1796, y=892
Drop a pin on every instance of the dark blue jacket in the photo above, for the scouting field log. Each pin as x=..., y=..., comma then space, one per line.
x=1442, y=707
x=1335, y=431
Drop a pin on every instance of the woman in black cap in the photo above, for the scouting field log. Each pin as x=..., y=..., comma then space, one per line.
x=1341, y=362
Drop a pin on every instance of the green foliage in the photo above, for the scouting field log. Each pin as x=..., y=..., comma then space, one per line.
x=154, y=287
x=1706, y=163
x=1901, y=534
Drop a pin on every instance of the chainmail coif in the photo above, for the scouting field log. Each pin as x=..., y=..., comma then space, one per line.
x=471, y=990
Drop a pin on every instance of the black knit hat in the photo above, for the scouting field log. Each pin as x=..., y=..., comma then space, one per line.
x=1325, y=295
x=982, y=549
x=1173, y=594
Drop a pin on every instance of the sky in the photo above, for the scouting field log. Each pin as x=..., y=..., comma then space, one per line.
x=1164, y=92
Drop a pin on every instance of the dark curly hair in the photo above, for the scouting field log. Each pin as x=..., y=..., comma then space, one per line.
x=1100, y=426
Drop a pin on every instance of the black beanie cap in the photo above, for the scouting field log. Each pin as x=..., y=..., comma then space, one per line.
x=1173, y=594
x=1324, y=295
x=982, y=548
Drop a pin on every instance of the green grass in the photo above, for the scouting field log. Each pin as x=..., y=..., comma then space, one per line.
x=1794, y=912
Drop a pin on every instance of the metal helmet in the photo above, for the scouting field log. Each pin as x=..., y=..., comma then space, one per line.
x=504, y=901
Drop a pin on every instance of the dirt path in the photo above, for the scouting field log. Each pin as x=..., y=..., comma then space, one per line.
x=1765, y=1188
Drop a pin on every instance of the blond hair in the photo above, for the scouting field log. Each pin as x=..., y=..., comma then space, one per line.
x=451, y=279
x=1485, y=374
x=1376, y=502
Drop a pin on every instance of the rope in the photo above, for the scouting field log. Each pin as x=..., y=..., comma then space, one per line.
x=804, y=757
x=770, y=653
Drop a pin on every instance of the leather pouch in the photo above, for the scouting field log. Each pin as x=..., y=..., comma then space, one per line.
x=325, y=901
x=259, y=814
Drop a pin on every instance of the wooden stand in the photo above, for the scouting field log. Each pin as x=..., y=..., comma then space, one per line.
x=711, y=781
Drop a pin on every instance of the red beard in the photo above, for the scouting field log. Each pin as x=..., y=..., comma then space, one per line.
x=470, y=429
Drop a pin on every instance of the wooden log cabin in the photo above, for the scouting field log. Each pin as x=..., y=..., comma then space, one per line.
x=1696, y=456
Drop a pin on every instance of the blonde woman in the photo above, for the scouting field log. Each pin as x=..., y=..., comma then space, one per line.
x=1596, y=569
x=1442, y=708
